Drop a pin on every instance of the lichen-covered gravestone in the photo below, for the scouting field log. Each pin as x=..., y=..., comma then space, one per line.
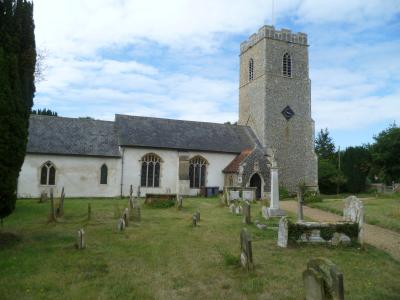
x=60, y=210
x=248, y=196
x=246, y=255
x=353, y=211
x=283, y=232
x=239, y=210
x=121, y=224
x=232, y=208
x=197, y=213
x=322, y=280
x=43, y=197
x=81, y=239
x=246, y=212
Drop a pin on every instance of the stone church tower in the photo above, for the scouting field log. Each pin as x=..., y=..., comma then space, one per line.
x=275, y=101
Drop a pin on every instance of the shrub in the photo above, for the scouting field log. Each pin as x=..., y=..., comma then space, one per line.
x=161, y=204
x=283, y=193
x=312, y=197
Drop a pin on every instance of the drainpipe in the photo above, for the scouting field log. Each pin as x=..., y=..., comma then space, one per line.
x=122, y=171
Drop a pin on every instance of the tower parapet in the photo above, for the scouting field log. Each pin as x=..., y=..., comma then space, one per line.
x=270, y=32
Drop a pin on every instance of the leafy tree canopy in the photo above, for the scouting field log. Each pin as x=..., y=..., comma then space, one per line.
x=324, y=146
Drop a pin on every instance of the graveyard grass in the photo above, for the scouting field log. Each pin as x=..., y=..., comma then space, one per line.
x=383, y=210
x=164, y=257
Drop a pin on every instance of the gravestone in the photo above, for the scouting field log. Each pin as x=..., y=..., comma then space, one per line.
x=248, y=196
x=125, y=216
x=238, y=209
x=246, y=212
x=232, y=208
x=81, y=239
x=60, y=209
x=283, y=232
x=121, y=224
x=246, y=255
x=138, y=192
x=43, y=197
x=353, y=211
x=194, y=220
x=234, y=195
x=322, y=280
x=52, y=217
x=197, y=213
x=179, y=202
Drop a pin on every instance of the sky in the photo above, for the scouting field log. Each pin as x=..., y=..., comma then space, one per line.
x=180, y=59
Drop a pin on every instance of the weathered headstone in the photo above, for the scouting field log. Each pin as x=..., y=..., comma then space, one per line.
x=197, y=213
x=283, y=232
x=248, y=196
x=60, y=211
x=138, y=191
x=121, y=224
x=232, y=208
x=322, y=280
x=52, y=217
x=43, y=197
x=81, y=239
x=194, y=220
x=246, y=255
x=353, y=211
x=239, y=210
x=125, y=216
x=234, y=195
x=179, y=202
x=246, y=212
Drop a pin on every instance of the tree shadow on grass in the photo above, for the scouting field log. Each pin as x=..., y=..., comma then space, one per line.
x=8, y=240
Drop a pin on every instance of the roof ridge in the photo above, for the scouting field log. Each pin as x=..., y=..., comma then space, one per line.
x=178, y=120
x=69, y=118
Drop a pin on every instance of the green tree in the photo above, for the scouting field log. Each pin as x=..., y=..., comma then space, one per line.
x=356, y=163
x=17, y=88
x=45, y=112
x=386, y=153
x=324, y=146
x=328, y=176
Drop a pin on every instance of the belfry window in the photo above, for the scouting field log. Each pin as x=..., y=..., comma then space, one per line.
x=287, y=65
x=103, y=174
x=197, y=172
x=48, y=174
x=150, y=174
x=251, y=69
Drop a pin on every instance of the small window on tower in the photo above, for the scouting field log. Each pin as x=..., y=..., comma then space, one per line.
x=251, y=69
x=287, y=65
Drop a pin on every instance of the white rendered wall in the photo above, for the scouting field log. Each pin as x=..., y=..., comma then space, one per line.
x=79, y=175
x=169, y=169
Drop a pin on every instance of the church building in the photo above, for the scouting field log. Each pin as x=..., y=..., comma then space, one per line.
x=94, y=158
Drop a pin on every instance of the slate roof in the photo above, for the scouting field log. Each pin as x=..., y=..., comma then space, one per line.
x=72, y=136
x=183, y=135
x=83, y=136
x=233, y=166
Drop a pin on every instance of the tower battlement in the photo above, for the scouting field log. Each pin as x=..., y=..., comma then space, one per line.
x=270, y=32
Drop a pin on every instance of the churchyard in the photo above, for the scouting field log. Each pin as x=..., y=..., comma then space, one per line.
x=382, y=210
x=164, y=256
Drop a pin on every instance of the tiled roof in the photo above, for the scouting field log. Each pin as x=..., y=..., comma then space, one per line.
x=233, y=166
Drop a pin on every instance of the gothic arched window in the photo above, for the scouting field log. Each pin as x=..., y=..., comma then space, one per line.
x=251, y=69
x=48, y=174
x=197, y=172
x=287, y=65
x=103, y=174
x=150, y=174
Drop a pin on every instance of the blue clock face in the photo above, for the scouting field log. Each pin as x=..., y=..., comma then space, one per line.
x=288, y=113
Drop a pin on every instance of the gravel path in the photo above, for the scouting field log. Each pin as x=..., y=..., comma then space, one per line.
x=379, y=237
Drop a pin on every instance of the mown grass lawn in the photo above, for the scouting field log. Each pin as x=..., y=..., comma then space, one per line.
x=165, y=258
x=383, y=211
